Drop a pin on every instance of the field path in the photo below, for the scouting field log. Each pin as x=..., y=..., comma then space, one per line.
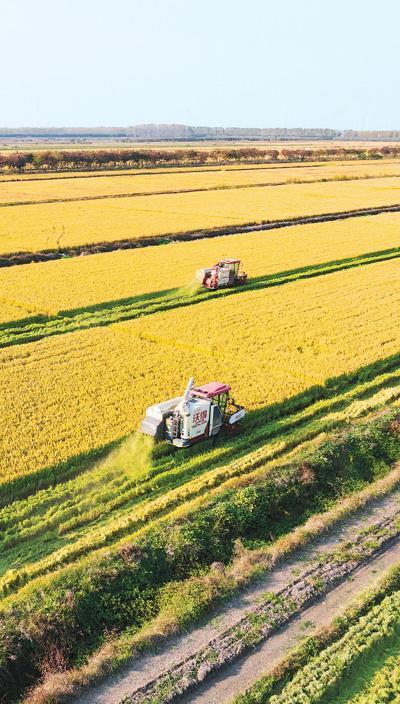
x=236, y=678
x=233, y=679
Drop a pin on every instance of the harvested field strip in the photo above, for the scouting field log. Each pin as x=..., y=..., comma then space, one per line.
x=101, y=380
x=75, y=190
x=68, y=227
x=108, y=504
x=28, y=331
x=172, y=543
x=120, y=277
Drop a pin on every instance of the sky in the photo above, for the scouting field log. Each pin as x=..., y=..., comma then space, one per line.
x=245, y=63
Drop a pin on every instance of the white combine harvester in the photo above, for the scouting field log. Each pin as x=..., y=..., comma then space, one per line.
x=200, y=413
x=224, y=274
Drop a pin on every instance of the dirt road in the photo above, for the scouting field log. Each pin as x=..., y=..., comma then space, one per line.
x=221, y=687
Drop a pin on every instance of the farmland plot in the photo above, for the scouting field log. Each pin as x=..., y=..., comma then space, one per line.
x=144, y=183
x=58, y=225
x=306, y=358
x=73, y=393
x=80, y=282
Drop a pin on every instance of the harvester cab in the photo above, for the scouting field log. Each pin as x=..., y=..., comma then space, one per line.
x=222, y=275
x=200, y=413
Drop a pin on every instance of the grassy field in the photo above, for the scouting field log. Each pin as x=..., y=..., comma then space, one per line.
x=51, y=226
x=95, y=520
x=330, y=676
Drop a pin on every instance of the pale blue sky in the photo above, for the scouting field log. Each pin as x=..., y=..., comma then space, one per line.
x=289, y=63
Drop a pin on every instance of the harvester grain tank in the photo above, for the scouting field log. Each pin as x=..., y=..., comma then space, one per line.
x=224, y=274
x=202, y=412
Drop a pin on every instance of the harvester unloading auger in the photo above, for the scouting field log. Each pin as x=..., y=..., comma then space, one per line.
x=202, y=412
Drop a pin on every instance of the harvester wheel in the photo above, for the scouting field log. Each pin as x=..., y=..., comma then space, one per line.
x=232, y=430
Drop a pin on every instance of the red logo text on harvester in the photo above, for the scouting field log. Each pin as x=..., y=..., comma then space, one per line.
x=199, y=417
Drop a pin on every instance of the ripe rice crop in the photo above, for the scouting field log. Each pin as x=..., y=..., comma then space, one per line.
x=86, y=281
x=50, y=175
x=76, y=518
x=57, y=225
x=78, y=391
x=14, y=310
x=59, y=189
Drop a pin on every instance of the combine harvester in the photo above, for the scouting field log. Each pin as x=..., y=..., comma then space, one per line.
x=202, y=412
x=224, y=274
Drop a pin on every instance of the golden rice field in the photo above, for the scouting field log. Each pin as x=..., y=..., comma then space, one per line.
x=48, y=226
x=78, y=369
x=68, y=394
x=138, y=183
x=343, y=167
x=85, y=281
x=50, y=175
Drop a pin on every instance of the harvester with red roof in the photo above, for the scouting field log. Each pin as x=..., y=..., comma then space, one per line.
x=202, y=412
x=224, y=274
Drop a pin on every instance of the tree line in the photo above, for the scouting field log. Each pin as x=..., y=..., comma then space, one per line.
x=58, y=160
x=193, y=132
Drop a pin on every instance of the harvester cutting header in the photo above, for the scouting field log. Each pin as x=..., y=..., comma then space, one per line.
x=200, y=413
x=224, y=274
